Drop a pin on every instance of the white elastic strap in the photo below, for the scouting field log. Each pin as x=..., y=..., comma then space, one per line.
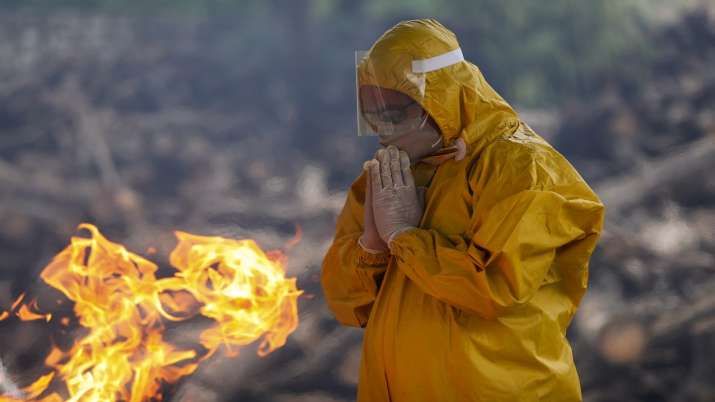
x=367, y=249
x=437, y=142
x=437, y=62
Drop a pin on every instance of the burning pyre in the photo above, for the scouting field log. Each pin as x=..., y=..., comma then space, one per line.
x=123, y=309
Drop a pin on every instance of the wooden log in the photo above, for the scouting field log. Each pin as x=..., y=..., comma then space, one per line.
x=622, y=192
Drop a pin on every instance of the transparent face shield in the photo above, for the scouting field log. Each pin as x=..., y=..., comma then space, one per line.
x=386, y=112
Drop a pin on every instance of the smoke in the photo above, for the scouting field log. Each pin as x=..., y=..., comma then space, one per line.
x=7, y=386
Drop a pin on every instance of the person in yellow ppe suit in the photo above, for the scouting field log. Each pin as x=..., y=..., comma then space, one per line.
x=463, y=247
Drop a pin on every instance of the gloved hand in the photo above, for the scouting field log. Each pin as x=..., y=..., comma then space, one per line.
x=370, y=240
x=396, y=203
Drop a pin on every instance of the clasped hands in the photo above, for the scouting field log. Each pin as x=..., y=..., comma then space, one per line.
x=393, y=203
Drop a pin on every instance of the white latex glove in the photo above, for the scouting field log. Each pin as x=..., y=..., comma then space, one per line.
x=396, y=203
x=370, y=240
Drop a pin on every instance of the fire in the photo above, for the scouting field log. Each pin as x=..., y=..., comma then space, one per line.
x=124, y=309
x=24, y=312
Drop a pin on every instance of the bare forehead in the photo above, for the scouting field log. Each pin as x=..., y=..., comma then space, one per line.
x=377, y=96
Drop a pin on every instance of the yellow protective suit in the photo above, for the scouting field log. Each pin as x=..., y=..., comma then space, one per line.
x=474, y=304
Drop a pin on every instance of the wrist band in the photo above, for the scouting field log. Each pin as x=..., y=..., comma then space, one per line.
x=369, y=250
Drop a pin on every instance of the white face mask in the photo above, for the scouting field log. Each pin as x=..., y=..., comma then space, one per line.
x=417, y=143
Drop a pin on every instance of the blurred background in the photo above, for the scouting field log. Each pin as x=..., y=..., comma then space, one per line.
x=237, y=118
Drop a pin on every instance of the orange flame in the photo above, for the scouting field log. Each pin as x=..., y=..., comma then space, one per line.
x=121, y=303
x=25, y=312
x=296, y=238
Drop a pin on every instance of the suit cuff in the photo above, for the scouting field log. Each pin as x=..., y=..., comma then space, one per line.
x=370, y=257
x=396, y=235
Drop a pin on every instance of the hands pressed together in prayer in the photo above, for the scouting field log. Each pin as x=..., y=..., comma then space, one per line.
x=393, y=203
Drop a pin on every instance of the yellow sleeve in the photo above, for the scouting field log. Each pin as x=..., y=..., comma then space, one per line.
x=351, y=276
x=528, y=207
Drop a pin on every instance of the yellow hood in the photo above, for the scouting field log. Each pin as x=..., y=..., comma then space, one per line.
x=457, y=97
